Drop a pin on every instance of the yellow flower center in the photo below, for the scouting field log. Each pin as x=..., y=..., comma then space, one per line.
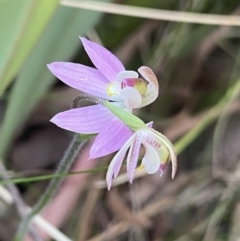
x=140, y=86
x=112, y=90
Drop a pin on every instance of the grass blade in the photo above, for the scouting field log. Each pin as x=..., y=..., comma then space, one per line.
x=58, y=43
x=22, y=23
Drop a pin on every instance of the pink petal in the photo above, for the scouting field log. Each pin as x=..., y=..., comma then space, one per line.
x=149, y=124
x=152, y=87
x=107, y=63
x=81, y=77
x=86, y=120
x=111, y=138
x=164, y=141
x=162, y=168
x=133, y=156
x=117, y=161
x=151, y=161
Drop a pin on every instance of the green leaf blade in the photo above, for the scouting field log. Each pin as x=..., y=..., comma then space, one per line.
x=58, y=43
x=27, y=21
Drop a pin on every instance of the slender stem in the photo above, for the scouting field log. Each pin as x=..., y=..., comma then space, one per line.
x=47, y=177
x=71, y=154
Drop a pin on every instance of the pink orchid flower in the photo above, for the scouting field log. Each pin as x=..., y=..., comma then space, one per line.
x=110, y=80
x=158, y=152
x=114, y=135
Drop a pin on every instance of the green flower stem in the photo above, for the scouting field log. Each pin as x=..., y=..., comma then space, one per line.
x=51, y=176
x=71, y=154
x=210, y=116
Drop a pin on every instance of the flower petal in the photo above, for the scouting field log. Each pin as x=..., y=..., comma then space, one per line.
x=164, y=140
x=151, y=161
x=131, y=97
x=162, y=168
x=149, y=124
x=133, y=156
x=164, y=157
x=126, y=74
x=117, y=161
x=152, y=87
x=107, y=63
x=81, y=77
x=111, y=138
x=86, y=120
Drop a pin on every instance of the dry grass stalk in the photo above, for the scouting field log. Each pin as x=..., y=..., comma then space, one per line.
x=185, y=17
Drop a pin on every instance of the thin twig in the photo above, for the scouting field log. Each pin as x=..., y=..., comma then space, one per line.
x=17, y=199
x=37, y=220
x=186, y=17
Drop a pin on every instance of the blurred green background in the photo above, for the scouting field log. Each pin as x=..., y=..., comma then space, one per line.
x=198, y=109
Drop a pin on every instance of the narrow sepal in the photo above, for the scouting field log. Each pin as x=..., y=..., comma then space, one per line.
x=111, y=138
x=86, y=120
x=81, y=77
x=106, y=62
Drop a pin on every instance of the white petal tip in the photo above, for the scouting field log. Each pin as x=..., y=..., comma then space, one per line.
x=173, y=175
x=174, y=167
x=109, y=184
